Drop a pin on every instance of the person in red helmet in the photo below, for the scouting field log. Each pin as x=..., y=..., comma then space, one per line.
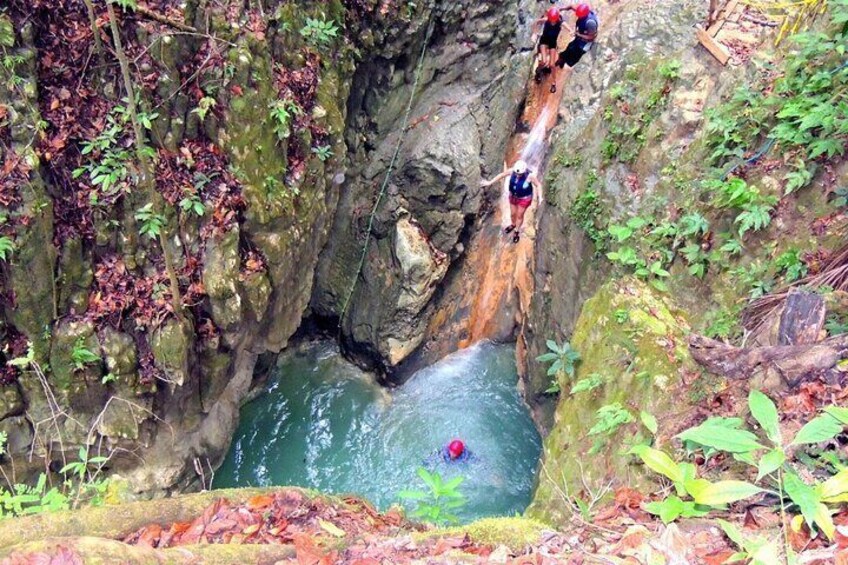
x=551, y=27
x=456, y=449
x=455, y=452
x=585, y=33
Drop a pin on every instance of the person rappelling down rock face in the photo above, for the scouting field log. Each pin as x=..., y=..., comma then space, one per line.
x=585, y=33
x=522, y=182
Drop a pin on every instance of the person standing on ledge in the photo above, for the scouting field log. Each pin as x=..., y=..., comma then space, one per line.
x=551, y=26
x=585, y=33
x=521, y=189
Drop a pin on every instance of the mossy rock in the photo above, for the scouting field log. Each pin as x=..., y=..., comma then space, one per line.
x=172, y=345
x=220, y=278
x=635, y=338
x=516, y=533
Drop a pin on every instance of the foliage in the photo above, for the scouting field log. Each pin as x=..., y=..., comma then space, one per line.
x=319, y=32
x=7, y=246
x=562, y=359
x=191, y=203
x=324, y=152
x=797, y=109
x=791, y=265
x=609, y=418
x=723, y=324
x=588, y=384
x=282, y=113
x=437, y=504
x=836, y=325
x=151, y=222
x=82, y=356
x=82, y=485
x=110, y=160
x=586, y=211
x=204, y=106
x=759, y=550
x=768, y=456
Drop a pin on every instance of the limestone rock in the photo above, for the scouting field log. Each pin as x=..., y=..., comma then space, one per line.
x=640, y=361
x=11, y=403
x=172, y=345
x=257, y=294
x=220, y=277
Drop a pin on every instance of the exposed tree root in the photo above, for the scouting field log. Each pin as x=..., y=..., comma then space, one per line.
x=792, y=362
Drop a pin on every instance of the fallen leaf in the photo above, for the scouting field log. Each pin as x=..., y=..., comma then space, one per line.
x=331, y=528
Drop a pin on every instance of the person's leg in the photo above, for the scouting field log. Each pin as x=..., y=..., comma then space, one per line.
x=513, y=214
x=519, y=217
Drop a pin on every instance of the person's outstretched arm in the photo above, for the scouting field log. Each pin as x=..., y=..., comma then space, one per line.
x=500, y=177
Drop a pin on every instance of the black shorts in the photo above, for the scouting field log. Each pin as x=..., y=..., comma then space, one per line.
x=549, y=41
x=572, y=54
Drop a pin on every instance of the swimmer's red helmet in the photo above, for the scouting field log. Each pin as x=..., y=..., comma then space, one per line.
x=582, y=10
x=553, y=16
x=456, y=449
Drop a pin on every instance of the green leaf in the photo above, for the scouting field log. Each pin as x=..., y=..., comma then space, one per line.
x=732, y=532
x=649, y=421
x=725, y=492
x=722, y=438
x=765, y=413
x=803, y=495
x=824, y=520
x=834, y=486
x=771, y=462
x=659, y=462
x=817, y=430
x=839, y=413
x=668, y=510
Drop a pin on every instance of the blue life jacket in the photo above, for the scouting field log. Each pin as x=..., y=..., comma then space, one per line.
x=520, y=185
x=584, y=27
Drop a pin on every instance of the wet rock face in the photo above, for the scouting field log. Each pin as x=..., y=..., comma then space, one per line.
x=470, y=89
x=171, y=391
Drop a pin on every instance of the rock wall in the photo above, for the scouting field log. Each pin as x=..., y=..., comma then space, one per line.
x=633, y=143
x=155, y=383
x=470, y=92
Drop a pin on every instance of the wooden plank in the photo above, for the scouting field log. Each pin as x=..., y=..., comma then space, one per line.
x=715, y=48
x=722, y=17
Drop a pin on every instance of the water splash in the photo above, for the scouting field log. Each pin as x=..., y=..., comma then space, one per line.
x=534, y=148
x=325, y=424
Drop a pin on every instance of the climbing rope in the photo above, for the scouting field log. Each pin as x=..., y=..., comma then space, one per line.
x=391, y=168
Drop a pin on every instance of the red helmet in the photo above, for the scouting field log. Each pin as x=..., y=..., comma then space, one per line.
x=553, y=15
x=582, y=10
x=456, y=448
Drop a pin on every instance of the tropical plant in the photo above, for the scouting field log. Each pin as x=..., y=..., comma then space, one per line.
x=437, y=504
x=7, y=246
x=562, y=359
x=319, y=32
x=204, y=105
x=324, y=152
x=768, y=456
x=588, y=384
x=191, y=203
x=282, y=113
x=82, y=356
x=151, y=222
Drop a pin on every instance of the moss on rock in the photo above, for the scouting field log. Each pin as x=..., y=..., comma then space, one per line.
x=635, y=339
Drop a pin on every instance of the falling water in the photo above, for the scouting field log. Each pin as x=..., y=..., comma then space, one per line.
x=534, y=147
x=325, y=424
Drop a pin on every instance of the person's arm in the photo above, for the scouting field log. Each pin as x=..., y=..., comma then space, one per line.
x=537, y=193
x=539, y=22
x=501, y=176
